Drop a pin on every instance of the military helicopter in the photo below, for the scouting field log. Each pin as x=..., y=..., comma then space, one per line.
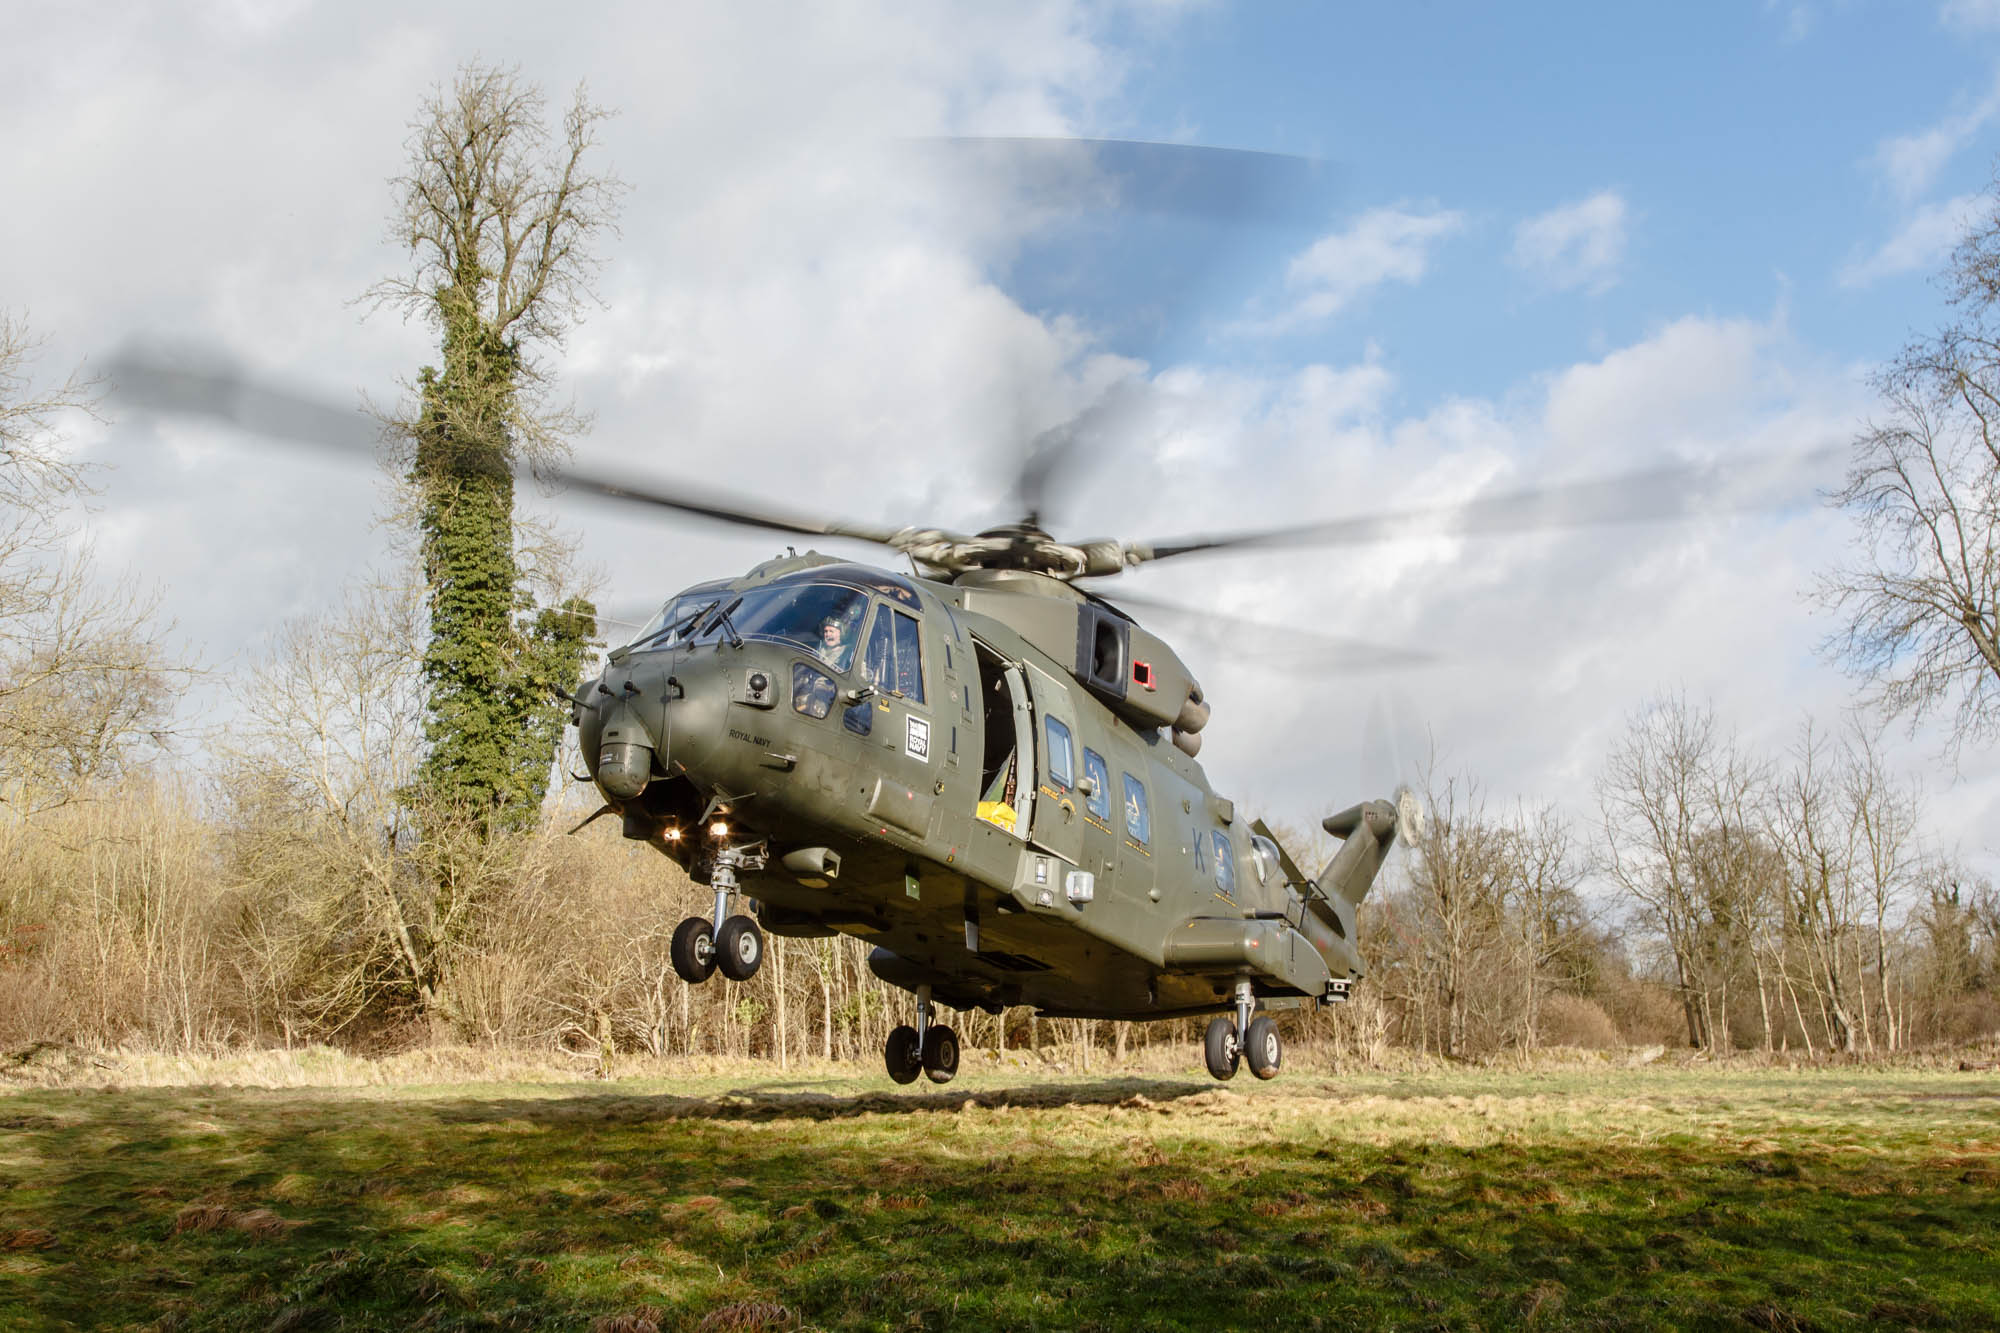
x=983, y=769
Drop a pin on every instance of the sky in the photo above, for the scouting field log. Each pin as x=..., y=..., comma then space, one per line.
x=1538, y=243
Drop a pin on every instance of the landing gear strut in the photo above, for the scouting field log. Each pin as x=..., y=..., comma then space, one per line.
x=732, y=943
x=929, y=1048
x=1244, y=1038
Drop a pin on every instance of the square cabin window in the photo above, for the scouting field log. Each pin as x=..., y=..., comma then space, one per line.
x=1062, y=759
x=1099, y=800
x=1138, y=819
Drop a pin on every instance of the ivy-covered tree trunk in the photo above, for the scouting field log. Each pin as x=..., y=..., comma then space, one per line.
x=497, y=228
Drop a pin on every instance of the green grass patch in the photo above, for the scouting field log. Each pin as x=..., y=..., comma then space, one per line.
x=1608, y=1199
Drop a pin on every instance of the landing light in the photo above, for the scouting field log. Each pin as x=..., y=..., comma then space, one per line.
x=673, y=835
x=718, y=829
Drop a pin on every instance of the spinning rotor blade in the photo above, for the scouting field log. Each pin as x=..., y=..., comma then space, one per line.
x=1067, y=176
x=223, y=393
x=1055, y=451
x=1124, y=236
x=1328, y=652
x=1680, y=490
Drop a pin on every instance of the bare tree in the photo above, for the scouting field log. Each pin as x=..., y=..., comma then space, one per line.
x=1682, y=838
x=85, y=679
x=1545, y=911
x=1921, y=601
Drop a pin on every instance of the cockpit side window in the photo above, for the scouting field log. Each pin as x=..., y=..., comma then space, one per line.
x=894, y=662
x=1225, y=866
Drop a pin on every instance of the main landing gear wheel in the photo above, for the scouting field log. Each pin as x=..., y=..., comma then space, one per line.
x=739, y=948
x=1219, y=1047
x=693, y=950
x=1263, y=1048
x=903, y=1055
x=940, y=1053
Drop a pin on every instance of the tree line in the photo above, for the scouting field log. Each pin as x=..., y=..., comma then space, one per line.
x=372, y=855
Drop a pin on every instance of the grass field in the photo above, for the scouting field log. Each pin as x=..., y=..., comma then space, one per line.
x=1587, y=1198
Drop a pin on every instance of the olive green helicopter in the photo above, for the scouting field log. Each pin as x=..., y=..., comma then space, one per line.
x=983, y=767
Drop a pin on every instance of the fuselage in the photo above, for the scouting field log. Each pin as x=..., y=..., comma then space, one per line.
x=931, y=778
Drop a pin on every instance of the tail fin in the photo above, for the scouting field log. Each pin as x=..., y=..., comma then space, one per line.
x=1366, y=831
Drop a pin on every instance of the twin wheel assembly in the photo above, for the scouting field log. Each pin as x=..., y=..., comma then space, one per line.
x=732, y=943
x=929, y=1048
x=699, y=949
x=1230, y=1041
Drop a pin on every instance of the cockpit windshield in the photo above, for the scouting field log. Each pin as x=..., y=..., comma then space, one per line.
x=676, y=619
x=823, y=619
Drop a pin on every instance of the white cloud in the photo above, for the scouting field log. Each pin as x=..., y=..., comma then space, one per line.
x=1970, y=15
x=1920, y=245
x=1909, y=163
x=787, y=316
x=1576, y=245
x=1384, y=245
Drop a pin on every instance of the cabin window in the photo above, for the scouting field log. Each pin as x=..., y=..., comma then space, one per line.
x=812, y=691
x=894, y=663
x=1062, y=760
x=1138, y=819
x=1099, y=800
x=1225, y=866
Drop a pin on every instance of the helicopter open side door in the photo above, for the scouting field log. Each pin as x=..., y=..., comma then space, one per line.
x=1056, y=826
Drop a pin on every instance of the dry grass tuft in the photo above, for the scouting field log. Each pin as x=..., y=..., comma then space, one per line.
x=647, y=1321
x=747, y=1317
x=27, y=1238
x=259, y=1222
x=1544, y=1301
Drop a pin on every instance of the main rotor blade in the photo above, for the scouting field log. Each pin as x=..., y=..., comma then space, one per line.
x=1056, y=451
x=218, y=392
x=1067, y=176
x=1125, y=237
x=1681, y=490
x=1328, y=652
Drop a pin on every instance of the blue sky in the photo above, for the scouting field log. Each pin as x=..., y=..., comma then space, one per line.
x=1746, y=142
x=1558, y=241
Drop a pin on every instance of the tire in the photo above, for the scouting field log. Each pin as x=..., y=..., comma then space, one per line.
x=739, y=948
x=1219, y=1047
x=1263, y=1048
x=901, y=1055
x=693, y=951
x=940, y=1053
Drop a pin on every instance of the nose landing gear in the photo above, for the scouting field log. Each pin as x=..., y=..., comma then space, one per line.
x=928, y=1048
x=732, y=943
x=1255, y=1040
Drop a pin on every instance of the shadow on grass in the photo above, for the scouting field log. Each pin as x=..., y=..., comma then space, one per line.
x=1110, y=1203
x=776, y=1101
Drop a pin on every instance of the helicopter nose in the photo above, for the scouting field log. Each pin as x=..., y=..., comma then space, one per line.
x=652, y=718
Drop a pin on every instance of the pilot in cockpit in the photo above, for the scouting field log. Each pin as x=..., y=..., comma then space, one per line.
x=836, y=642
